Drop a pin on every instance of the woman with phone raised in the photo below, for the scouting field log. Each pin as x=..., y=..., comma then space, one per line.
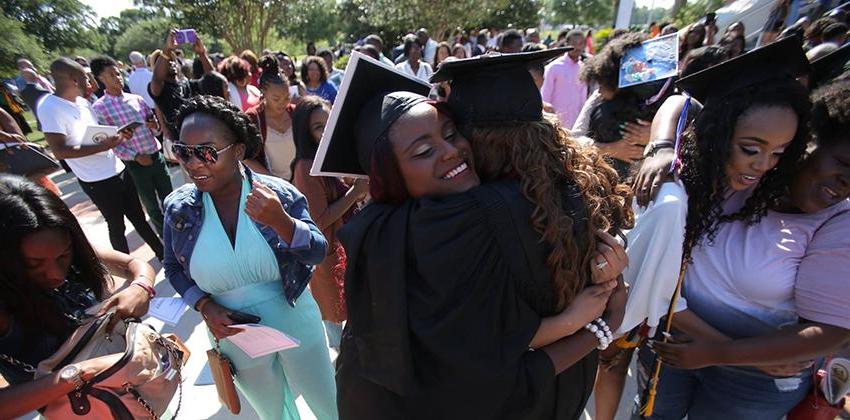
x=241, y=244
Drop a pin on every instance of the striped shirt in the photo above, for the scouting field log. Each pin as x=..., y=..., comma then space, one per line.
x=124, y=109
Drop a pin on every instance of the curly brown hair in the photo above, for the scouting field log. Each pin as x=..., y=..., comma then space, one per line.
x=545, y=158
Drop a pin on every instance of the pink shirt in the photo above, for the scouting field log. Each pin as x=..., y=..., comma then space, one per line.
x=755, y=278
x=563, y=89
x=822, y=291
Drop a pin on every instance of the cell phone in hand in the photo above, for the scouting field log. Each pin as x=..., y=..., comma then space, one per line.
x=185, y=36
x=243, y=318
x=710, y=18
x=130, y=127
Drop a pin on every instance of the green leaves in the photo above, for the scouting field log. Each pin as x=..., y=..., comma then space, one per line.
x=60, y=25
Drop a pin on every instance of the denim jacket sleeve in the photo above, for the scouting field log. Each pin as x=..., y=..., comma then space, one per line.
x=309, y=245
x=175, y=269
x=185, y=286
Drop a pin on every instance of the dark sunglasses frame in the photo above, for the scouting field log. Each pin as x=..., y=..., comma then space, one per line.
x=205, y=153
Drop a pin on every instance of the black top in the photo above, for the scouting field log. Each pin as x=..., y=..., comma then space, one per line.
x=444, y=295
x=629, y=105
x=172, y=97
x=31, y=93
x=32, y=346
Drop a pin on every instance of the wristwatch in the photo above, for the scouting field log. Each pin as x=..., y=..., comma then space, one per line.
x=72, y=374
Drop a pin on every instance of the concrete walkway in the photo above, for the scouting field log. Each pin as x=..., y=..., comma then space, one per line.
x=199, y=401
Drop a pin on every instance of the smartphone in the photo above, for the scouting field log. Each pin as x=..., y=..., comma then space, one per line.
x=185, y=36
x=243, y=318
x=710, y=17
x=130, y=127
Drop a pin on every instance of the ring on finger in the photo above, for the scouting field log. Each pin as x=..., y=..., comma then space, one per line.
x=601, y=265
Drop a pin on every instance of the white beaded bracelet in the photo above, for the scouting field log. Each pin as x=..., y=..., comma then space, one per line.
x=609, y=335
x=604, y=341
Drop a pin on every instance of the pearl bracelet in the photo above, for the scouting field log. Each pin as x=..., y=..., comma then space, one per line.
x=600, y=329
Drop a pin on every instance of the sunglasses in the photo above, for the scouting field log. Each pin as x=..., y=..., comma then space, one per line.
x=206, y=154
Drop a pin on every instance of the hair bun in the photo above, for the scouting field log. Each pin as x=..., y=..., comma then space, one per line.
x=269, y=64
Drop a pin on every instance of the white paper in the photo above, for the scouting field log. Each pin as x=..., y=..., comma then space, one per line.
x=258, y=340
x=167, y=309
x=95, y=134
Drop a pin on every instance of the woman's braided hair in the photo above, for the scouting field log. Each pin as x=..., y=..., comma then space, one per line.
x=706, y=147
x=241, y=127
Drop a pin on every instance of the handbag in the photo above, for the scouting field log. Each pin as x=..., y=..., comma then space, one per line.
x=815, y=406
x=222, y=372
x=26, y=159
x=140, y=384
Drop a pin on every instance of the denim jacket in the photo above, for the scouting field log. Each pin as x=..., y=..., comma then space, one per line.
x=184, y=216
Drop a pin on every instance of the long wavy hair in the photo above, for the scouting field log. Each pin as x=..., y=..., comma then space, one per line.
x=27, y=208
x=706, y=147
x=543, y=157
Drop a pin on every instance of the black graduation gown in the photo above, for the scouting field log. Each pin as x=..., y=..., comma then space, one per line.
x=444, y=295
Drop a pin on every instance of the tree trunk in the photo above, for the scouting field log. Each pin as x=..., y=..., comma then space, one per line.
x=678, y=5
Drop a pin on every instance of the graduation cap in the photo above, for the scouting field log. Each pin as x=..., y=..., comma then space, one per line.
x=495, y=89
x=783, y=59
x=829, y=66
x=371, y=98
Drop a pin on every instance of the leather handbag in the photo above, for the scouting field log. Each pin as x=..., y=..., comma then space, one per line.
x=815, y=406
x=140, y=384
x=223, y=373
x=26, y=159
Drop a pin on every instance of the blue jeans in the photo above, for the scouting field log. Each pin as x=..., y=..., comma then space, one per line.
x=721, y=392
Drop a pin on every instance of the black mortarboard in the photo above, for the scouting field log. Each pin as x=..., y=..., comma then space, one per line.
x=829, y=66
x=495, y=89
x=371, y=97
x=783, y=59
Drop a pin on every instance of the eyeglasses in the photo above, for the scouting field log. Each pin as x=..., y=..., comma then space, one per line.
x=205, y=153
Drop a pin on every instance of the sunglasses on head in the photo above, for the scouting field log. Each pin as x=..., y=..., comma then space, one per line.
x=205, y=153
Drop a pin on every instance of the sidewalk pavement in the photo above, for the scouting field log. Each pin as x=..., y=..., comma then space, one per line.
x=200, y=401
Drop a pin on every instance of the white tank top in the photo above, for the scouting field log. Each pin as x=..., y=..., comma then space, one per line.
x=280, y=152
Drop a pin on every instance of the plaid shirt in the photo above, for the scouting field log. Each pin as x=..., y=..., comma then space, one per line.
x=124, y=109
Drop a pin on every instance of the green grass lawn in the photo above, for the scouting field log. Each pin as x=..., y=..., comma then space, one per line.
x=36, y=136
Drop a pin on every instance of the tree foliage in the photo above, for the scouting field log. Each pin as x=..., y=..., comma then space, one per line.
x=59, y=25
x=693, y=11
x=392, y=18
x=580, y=12
x=242, y=24
x=145, y=37
x=16, y=44
x=113, y=28
x=311, y=21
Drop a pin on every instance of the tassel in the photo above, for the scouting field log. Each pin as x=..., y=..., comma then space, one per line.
x=648, y=405
x=651, y=390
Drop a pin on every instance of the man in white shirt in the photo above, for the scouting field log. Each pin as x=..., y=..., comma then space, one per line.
x=139, y=79
x=64, y=117
x=429, y=46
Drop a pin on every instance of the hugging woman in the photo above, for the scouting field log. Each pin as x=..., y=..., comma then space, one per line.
x=447, y=284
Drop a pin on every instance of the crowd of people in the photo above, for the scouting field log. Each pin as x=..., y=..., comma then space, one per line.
x=488, y=226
